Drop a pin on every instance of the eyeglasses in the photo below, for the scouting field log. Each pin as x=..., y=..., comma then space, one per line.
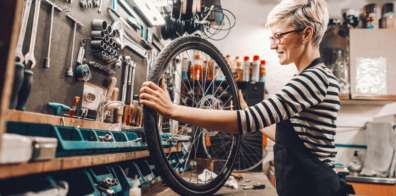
x=276, y=38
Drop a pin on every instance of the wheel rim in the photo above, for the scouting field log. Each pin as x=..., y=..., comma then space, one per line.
x=205, y=86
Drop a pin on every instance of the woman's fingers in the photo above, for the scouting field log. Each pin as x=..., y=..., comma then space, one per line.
x=151, y=85
x=163, y=85
x=148, y=97
x=148, y=90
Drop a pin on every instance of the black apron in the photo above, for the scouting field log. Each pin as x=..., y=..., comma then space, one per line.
x=298, y=171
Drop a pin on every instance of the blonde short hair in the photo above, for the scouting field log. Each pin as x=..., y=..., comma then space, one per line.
x=301, y=14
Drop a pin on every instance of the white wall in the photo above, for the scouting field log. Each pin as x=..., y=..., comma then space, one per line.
x=250, y=37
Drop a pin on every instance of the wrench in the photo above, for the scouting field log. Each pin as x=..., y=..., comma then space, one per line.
x=53, y=5
x=96, y=3
x=30, y=61
x=84, y=4
x=81, y=51
x=18, y=51
x=100, y=6
x=89, y=2
x=70, y=70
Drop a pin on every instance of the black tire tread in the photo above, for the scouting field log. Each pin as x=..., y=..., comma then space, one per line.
x=149, y=120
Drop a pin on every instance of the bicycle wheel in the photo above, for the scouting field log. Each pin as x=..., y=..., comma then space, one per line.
x=250, y=154
x=202, y=93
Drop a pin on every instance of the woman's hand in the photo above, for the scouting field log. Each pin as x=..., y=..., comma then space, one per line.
x=157, y=98
x=242, y=102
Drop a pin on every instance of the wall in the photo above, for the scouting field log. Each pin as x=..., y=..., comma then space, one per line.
x=250, y=37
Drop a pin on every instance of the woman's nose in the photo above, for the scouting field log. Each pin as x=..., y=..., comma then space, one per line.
x=273, y=46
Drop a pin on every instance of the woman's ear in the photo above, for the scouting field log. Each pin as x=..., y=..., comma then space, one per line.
x=307, y=34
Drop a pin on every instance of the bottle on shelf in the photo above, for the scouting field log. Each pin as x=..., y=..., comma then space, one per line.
x=255, y=69
x=262, y=71
x=370, y=14
x=228, y=59
x=238, y=72
x=233, y=64
x=198, y=64
x=387, y=20
x=355, y=165
x=210, y=69
x=218, y=73
x=204, y=70
x=246, y=69
x=185, y=67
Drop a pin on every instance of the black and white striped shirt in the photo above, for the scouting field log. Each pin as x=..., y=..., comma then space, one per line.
x=310, y=100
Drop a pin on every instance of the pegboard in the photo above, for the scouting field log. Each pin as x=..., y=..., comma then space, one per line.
x=52, y=85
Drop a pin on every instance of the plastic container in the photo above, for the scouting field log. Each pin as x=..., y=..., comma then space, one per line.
x=228, y=60
x=126, y=179
x=43, y=148
x=135, y=190
x=185, y=67
x=255, y=69
x=15, y=148
x=355, y=165
x=77, y=141
x=370, y=14
x=238, y=72
x=204, y=70
x=219, y=76
x=246, y=69
x=100, y=174
x=210, y=70
x=197, y=71
x=387, y=20
x=262, y=70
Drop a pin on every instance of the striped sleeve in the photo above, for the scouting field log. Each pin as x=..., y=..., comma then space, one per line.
x=305, y=90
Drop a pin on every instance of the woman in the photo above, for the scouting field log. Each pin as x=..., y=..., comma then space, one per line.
x=304, y=111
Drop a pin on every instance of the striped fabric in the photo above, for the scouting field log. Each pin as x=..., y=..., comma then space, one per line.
x=310, y=100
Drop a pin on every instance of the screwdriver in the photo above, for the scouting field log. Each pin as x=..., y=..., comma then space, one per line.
x=258, y=186
x=73, y=108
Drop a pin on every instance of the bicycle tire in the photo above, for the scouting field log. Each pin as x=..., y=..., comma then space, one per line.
x=168, y=174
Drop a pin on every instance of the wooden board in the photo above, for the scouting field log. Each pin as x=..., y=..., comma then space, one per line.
x=10, y=21
x=14, y=115
x=74, y=162
x=374, y=43
x=373, y=189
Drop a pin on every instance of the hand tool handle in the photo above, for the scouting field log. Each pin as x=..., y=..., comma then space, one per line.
x=110, y=89
x=114, y=97
x=58, y=108
x=18, y=80
x=75, y=104
x=135, y=110
x=24, y=91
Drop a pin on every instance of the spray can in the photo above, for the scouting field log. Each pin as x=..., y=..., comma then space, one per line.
x=185, y=66
x=262, y=71
x=246, y=69
x=255, y=69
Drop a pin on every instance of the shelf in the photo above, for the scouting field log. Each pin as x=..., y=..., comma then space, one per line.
x=374, y=97
x=344, y=96
x=74, y=162
x=23, y=116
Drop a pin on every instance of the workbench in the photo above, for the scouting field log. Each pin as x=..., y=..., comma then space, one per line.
x=255, y=177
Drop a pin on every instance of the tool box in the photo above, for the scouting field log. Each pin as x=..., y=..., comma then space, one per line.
x=15, y=149
x=43, y=148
